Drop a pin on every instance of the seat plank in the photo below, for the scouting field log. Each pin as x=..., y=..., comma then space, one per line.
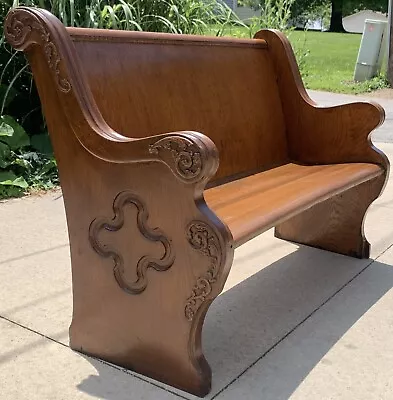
x=252, y=205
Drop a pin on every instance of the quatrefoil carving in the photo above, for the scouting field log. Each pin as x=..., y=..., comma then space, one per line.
x=145, y=262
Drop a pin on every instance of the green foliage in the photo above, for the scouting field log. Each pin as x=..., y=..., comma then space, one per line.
x=24, y=162
x=20, y=120
x=327, y=60
x=318, y=12
x=12, y=134
x=303, y=10
x=349, y=6
x=174, y=16
x=376, y=83
x=331, y=61
x=276, y=14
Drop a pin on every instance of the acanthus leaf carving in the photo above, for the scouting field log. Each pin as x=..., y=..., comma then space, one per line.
x=185, y=156
x=202, y=238
x=144, y=263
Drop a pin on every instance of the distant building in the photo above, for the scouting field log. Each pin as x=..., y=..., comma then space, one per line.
x=355, y=23
x=352, y=23
x=244, y=13
x=316, y=25
x=232, y=4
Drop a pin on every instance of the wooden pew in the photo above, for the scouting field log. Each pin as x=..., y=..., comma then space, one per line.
x=138, y=122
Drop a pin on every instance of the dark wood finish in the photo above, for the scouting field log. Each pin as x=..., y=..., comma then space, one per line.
x=151, y=246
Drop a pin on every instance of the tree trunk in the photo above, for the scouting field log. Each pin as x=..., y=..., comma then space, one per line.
x=336, y=20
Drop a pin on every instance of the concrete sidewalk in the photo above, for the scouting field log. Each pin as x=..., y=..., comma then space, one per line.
x=293, y=322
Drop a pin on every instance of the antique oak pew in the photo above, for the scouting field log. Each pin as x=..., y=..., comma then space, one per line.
x=138, y=122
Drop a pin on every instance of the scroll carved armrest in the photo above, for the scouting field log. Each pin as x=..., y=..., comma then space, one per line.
x=192, y=156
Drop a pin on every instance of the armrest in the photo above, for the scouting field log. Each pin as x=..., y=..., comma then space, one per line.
x=321, y=135
x=192, y=156
x=338, y=134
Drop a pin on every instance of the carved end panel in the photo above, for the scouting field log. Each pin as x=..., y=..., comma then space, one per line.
x=23, y=28
x=203, y=239
x=120, y=260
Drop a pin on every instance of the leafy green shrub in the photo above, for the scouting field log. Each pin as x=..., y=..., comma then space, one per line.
x=24, y=161
x=376, y=83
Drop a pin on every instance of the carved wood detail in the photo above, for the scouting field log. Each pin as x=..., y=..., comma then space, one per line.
x=202, y=238
x=185, y=156
x=115, y=224
x=19, y=30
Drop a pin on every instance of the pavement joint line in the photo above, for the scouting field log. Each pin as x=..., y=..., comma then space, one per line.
x=382, y=206
x=383, y=252
x=294, y=329
x=32, y=330
x=35, y=253
x=128, y=372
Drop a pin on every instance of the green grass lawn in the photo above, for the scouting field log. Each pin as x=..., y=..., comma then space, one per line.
x=330, y=62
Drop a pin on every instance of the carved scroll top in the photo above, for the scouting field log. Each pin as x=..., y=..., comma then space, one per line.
x=182, y=155
x=23, y=28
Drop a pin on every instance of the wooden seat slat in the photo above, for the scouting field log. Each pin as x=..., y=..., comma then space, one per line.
x=252, y=205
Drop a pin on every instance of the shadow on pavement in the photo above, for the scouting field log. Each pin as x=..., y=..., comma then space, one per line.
x=249, y=320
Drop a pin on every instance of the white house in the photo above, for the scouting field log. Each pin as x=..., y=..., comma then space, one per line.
x=352, y=23
x=244, y=13
x=355, y=23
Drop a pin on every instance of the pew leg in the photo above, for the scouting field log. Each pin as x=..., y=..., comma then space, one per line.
x=178, y=361
x=336, y=224
x=154, y=329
